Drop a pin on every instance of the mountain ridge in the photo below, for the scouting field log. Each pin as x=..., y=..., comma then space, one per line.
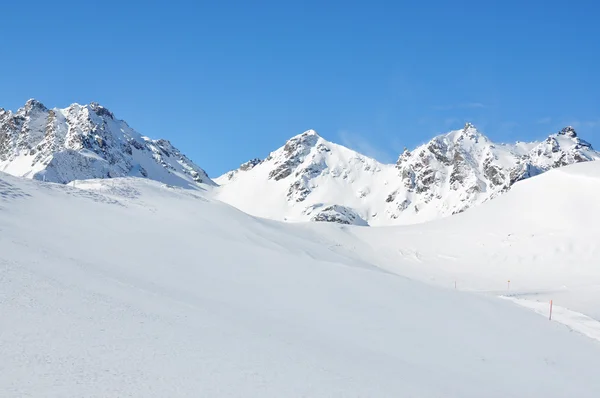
x=86, y=141
x=447, y=175
x=307, y=179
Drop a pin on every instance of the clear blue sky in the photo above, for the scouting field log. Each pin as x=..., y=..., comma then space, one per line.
x=226, y=81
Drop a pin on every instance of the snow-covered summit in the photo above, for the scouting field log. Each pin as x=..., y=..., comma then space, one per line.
x=308, y=178
x=447, y=175
x=86, y=141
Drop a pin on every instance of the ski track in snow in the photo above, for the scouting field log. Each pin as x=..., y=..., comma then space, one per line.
x=576, y=321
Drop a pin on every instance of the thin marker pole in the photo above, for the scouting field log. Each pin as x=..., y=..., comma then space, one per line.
x=550, y=318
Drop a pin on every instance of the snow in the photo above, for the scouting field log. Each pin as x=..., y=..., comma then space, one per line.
x=343, y=173
x=574, y=320
x=131, y=287
x=87, y=141
x=21, y=166
x=451, y=173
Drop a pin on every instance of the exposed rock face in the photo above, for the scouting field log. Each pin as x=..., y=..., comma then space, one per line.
x=250, y=164
x=294, y=153
x=467, y=165
x=447, y=175
x=334, y=213
x=86, y=141
x=229, y=176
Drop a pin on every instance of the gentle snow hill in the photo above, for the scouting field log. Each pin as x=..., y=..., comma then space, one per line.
x=130, y=287
x=542, y=236
x=83, y=142
x=310, y=178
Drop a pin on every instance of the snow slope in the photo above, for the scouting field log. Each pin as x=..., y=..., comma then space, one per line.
x=130, y=287
x=310, y=178
x=542, y=236
x=86, y=141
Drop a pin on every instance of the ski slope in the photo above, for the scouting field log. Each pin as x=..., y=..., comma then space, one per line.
x=129, y=287
x=542, y=236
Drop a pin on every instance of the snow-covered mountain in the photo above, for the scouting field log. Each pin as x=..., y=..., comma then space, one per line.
x=310, y=178
x=86, y=141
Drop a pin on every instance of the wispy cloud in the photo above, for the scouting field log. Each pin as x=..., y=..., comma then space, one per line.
x=363, y=145
x=466, y=105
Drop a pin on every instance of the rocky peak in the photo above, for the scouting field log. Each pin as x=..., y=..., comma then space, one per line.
x=568, y=131
x=567, y=139
x=293, y=153
x=56, y=145
x=305, y=140
x=100, y=110
x=250, y=164
x=33, y=105
x=320, y=181
x=468, y=132
x=406, y=154
x=230, y=175
x=309, y=132
x=467, y=162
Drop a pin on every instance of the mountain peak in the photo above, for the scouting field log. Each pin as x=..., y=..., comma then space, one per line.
x=406, y=154
x=301, y=142
x=62, y=145
x=447, y=175
x=100, y=110
x=33, y=104
x=306, y=136
x=469, y=132
x=568, y=131
x=250, y=164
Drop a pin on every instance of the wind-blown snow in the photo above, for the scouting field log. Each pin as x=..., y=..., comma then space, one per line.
x=130, y=287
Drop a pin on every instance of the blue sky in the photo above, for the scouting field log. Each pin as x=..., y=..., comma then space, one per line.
x=227, y=81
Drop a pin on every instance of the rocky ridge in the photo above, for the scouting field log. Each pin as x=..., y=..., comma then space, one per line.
x=445, y=176
x=85, y=142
